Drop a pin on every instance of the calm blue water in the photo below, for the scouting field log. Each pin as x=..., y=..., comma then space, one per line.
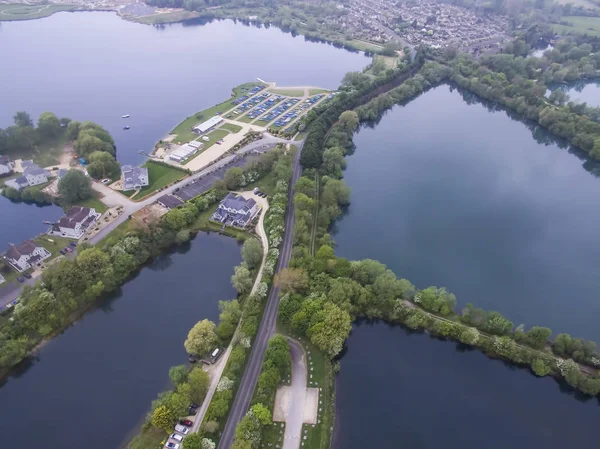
x=96, y=66
x=92, y=385
x=449, y=193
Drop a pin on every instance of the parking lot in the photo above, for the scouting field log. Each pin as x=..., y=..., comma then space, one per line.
x=288, y=103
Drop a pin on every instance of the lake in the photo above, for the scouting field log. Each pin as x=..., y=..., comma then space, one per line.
x=584, y=91
x=91, y=386
x=158, y=75
x=505, y=217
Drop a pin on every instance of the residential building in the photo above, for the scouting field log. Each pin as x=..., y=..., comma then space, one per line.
x=6, y=165
x=236, y=211
x=25, y=255
x=134, y=177
x=33, y=175
x=169, y=201
x=74, y=224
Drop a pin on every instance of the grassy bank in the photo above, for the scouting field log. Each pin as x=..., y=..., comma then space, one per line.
x=288, y=92
x=167, y=17
x=13, y=12
x=159, y=176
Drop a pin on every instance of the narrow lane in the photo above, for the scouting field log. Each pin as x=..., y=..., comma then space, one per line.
x=242, y=399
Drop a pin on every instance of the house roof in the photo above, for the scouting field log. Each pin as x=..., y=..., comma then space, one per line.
x=74, y=216
x=232, y=201
x=24, y=249
x=132, y=175
x=27, y=164
x=169, y=201
x=34, y=170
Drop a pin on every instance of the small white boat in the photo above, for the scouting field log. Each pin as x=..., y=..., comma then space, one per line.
x=126, y=116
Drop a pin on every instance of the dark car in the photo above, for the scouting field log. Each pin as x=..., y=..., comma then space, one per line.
x=194, y=405
x=186, y=422
x=21, y=279
x=192, y=411
x=27, y=275
x=73, y=244
x=63, y=251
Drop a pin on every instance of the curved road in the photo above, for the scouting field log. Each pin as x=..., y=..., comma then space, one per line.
x=112, y=198
x=242, y=399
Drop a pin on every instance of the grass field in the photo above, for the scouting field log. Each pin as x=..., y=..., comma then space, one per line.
x=231, y=127
x=55, y=246
x=364, y=45
x=265, y=184
x=579, y=25
x=582, y=3
x=288, y=92
x=183, y=131
x=312, y=92
x=150, y=438
x=95, y=203
x=175, y=16
x=11, y=12
x=159, y=176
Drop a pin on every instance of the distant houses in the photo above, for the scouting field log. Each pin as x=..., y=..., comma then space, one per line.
x=134, y=178
x=33, y=175
x=6, y=165
x=25, y=255
x=74, y=224
x=236, y=211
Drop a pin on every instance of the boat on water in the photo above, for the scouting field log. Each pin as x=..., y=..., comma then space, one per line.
x=126, y=127
x=126, y=116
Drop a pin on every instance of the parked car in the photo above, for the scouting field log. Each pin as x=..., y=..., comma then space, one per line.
x=73, y=244
x=21, y=279
x=171, y=445
x=192, y=411
x=69, y=249
x=176, y=437
x=27, y=275
x=105, y=181
x=181, y=429
x=186, y=422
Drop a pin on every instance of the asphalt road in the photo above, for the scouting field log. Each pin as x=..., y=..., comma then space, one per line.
x=241, y=402
x=295, y=413
x=11, y=292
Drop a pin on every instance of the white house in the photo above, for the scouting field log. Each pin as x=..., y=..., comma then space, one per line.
x=235, y=211
x=33, y=175
x=74, y=224
x=134, y=177
x=25, y=255
x=6, y=165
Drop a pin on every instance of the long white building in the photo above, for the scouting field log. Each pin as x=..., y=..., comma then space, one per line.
x=208, y=125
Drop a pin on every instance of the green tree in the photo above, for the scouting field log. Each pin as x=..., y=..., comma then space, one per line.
x=333, y=162
x=469, y=336
x=175, y=219
x=199, y=381
x=348, y=121
x=163, y=418
x=540, y=368
x=22, y=119
x=49, y=125
x=103, y=165
x=537, y=337
x=201, y=338
x=192, y=441
x=74, y=186
x=73, y=129
x=332, y=327
x=234, y=178
x=252, y=253
x=241, y=279
x=306, y=186
x=262, y=413
x=178, y=374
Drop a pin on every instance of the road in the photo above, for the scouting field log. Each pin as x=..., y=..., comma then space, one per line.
x=242, y=399
x=295, y=413
x=11, y=292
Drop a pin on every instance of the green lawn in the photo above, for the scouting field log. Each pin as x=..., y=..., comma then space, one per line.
x=265, y=184
x=583, y=3
x=169, y=17
x=300, y=136
x=364, y=45
x=159, y=176
x=579, y=25
x=10, y=12
x=184, y=132
x=273, y=435
x=93, y=202
x=312, y=92
x=244, y=118
x=288, y=92
x=231, y=127
x=53, y=246
x=150, y=438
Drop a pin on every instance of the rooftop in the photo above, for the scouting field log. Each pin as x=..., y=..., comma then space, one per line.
x=24, y=249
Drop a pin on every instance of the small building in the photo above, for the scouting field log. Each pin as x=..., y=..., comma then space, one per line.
x=6, y=165
x=74, y=224
x=2, y=280
x=185, y=151
x=25, y=255
x=207, y=125
x=236, y=211
x=33, y=175
x=169, y=201
x=134, y=178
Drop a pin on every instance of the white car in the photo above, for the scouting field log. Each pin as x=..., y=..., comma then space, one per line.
x=170, y=445
x=176, y=437
x=181, y=429
x=105, y=181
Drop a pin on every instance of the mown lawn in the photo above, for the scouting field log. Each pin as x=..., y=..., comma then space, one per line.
x=184, y=132
x=265, y=184
x=288, y=92
x=150, y=438
x=364, y=45
x=53, y=246
x=159, y=177
x=312, y=92
x=579, y=25
x=12, y=12
x=231, y=127
x=93, y=202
